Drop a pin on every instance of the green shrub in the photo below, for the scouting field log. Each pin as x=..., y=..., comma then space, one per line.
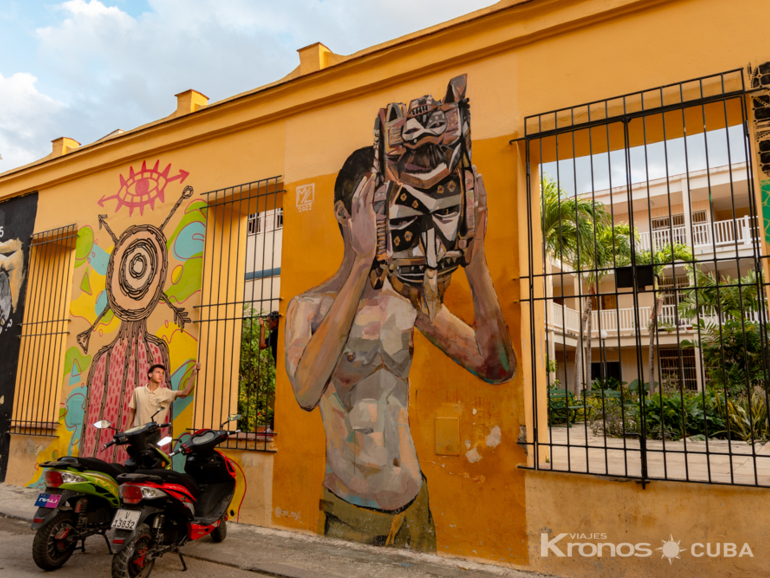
x=690, y=414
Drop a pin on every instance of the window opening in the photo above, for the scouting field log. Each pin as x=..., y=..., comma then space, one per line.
x=44, y=332
x=689, y=332
x=239, y=322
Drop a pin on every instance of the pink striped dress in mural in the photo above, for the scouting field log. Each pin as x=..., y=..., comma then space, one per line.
x=117, y=370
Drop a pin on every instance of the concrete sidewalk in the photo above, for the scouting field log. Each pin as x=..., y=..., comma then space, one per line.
x=296, y=555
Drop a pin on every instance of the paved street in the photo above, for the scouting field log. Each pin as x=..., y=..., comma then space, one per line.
x=247, y=551
x=16, y=560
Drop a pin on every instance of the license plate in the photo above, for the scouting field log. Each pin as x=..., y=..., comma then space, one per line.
x=126, y=519
x=47, y=500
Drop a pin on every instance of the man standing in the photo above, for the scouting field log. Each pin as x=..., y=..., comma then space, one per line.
x=271, y=340
x=412, y=210
x=146, y=398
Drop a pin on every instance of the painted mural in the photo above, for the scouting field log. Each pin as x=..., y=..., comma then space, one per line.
x=17, y=222
x=118, y=283
x=412, y=210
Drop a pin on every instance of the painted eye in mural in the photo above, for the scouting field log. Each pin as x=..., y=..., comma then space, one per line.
x=448, y=212
x=437, y=122
x=402, y=223
x=143, y=188
x=412, y=129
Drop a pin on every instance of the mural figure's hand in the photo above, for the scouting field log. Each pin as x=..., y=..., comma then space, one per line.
x=362, y=224
x=475, y=252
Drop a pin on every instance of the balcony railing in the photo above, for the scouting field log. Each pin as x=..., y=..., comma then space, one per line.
x=743, y=231
x=630, y=318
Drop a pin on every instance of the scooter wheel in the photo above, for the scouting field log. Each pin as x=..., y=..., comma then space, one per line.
x=54, y=542
x=220, y=533
x=131, y=561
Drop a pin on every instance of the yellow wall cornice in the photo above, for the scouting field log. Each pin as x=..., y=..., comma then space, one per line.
x=501, y=27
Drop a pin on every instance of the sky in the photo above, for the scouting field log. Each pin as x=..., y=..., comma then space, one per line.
x=658, y=160
x=84, y=68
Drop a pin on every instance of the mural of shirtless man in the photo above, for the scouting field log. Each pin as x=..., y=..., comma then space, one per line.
x=412, y=210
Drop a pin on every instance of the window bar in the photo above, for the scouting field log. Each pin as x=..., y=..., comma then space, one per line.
x=695, y=294
x=239, y=343
x=741, y=307
x=680, y=360
x=530, y=260
x=580, y=325
x=718, y=278
x=51, y=355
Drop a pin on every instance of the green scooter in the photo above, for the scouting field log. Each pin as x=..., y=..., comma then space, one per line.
x=81, y=494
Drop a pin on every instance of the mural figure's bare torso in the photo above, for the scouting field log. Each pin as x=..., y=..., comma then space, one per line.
x=371, y=459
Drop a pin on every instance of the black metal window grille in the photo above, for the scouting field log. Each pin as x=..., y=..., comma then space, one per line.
x=44, y=332
x=240, y=287
x=648, y=198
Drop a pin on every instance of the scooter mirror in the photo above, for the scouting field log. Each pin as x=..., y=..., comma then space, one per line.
x=103, y=424
x=159, y=408
x=231, y=418
x=165, y=441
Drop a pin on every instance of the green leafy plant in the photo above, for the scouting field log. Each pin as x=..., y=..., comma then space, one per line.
x=734, y=347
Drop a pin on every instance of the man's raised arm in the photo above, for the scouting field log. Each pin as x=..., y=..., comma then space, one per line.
x=312, y=356
x=487, y=350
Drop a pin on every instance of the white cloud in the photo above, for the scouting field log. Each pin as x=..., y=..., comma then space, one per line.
x=114, y=70
x=25, y=115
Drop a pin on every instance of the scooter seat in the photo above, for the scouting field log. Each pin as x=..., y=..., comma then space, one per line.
x=168, y=477
x=92, y=464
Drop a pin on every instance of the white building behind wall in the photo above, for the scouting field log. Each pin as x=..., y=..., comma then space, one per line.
x=263, y=261
x=708, y=211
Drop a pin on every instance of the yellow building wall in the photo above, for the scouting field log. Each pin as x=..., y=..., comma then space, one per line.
x=520, y=60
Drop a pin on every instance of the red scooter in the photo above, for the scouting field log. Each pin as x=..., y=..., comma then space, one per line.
x=161, y=510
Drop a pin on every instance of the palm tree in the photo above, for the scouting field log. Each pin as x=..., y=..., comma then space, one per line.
x=579, y=232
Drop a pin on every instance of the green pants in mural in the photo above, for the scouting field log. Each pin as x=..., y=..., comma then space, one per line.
x=410, y=527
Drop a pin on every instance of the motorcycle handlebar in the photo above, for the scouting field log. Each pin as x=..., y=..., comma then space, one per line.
x=108, y=444
x=164, y=425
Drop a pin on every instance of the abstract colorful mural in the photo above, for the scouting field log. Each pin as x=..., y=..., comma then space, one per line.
x=412, y=211
x=17, y=222
x=119, y=280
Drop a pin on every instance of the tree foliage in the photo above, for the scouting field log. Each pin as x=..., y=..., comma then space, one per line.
x=734, y=349
x=256, y=379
